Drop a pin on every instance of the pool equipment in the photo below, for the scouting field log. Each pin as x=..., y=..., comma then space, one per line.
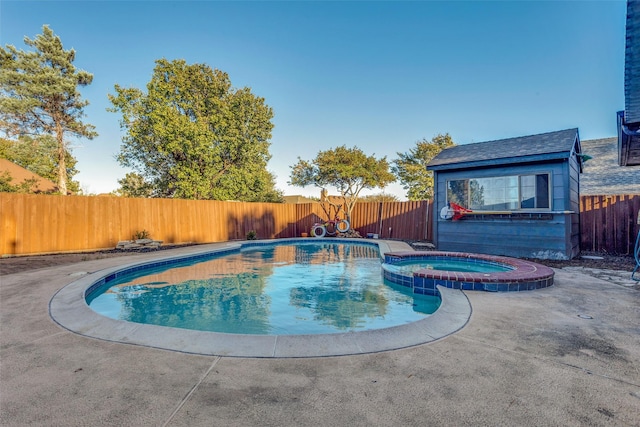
x=636, y=254
x=330, y=228
x=453, y=211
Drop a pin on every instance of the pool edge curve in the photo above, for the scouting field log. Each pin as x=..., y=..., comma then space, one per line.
x=68, y=308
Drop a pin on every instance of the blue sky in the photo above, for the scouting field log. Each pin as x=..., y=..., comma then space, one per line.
x=377, y=75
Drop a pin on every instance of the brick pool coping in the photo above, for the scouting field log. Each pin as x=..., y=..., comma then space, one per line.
x=523, y=276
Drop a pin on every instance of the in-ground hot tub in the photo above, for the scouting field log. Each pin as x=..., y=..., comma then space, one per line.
x=424, y=271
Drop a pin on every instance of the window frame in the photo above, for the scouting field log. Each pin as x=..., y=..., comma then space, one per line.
x=519, y=176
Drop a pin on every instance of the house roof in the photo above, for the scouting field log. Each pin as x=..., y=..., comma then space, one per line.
x=602, y=175
x=632, y=65
x=20, y=174
x=628, y=142
x=523, y=149
x=629, y=119
x=298, y=199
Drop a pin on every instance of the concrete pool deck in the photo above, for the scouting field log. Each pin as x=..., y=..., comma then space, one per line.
x=565, y=355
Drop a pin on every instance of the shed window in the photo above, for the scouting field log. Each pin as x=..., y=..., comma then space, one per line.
x=504, y=193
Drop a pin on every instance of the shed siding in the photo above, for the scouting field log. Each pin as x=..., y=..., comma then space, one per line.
x=574, y=205
x=538, y=238
x=517, y=238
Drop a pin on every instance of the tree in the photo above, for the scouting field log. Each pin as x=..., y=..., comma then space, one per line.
x=192, y=136
x=39, y=95
x=133, y=185
x=349, y=170
x=380, y=197
x=39, y=155
x=411, y=167
x=7, y=187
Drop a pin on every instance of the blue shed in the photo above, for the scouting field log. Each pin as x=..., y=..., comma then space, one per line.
x=517, y=197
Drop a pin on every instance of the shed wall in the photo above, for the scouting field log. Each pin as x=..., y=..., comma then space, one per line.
x=574, y=205
x=548, y=237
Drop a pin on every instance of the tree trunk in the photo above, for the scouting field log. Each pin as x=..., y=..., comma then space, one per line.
x=62, y=166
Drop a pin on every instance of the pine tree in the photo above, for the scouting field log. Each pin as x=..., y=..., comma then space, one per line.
x=39, y=94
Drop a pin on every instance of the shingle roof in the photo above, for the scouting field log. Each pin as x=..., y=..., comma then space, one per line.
x=20, y=174
x=523, y=149
x=632, y=64
x=602, y=175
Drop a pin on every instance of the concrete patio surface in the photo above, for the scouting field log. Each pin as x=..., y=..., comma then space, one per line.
x=567, y=355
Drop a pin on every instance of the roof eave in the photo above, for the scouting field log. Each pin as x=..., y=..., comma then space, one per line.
x=628, y=142
x=562, y=155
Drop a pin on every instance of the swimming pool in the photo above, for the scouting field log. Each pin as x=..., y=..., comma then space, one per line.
x=302, y=287
x=68, y=308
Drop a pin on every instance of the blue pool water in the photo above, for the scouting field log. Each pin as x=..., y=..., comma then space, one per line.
x=295, y=288
x=452, y=264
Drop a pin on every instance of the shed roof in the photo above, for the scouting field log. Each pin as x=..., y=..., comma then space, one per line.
x=523, y=149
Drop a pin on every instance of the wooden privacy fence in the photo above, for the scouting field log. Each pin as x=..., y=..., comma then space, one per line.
x=389, y=220
x=609, y=223
x=40, y=223
x=31, y=224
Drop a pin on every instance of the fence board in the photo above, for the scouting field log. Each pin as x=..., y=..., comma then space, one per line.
x=609, y=223
x=31, y=224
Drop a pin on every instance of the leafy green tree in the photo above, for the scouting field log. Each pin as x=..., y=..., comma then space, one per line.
x=380, y=197
x=349, y=170
x=39, y=155
x=411, y=167
x=193, y=136
x=7, y=187
x=39, y=95
x=133, y=185
x=5, y=183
